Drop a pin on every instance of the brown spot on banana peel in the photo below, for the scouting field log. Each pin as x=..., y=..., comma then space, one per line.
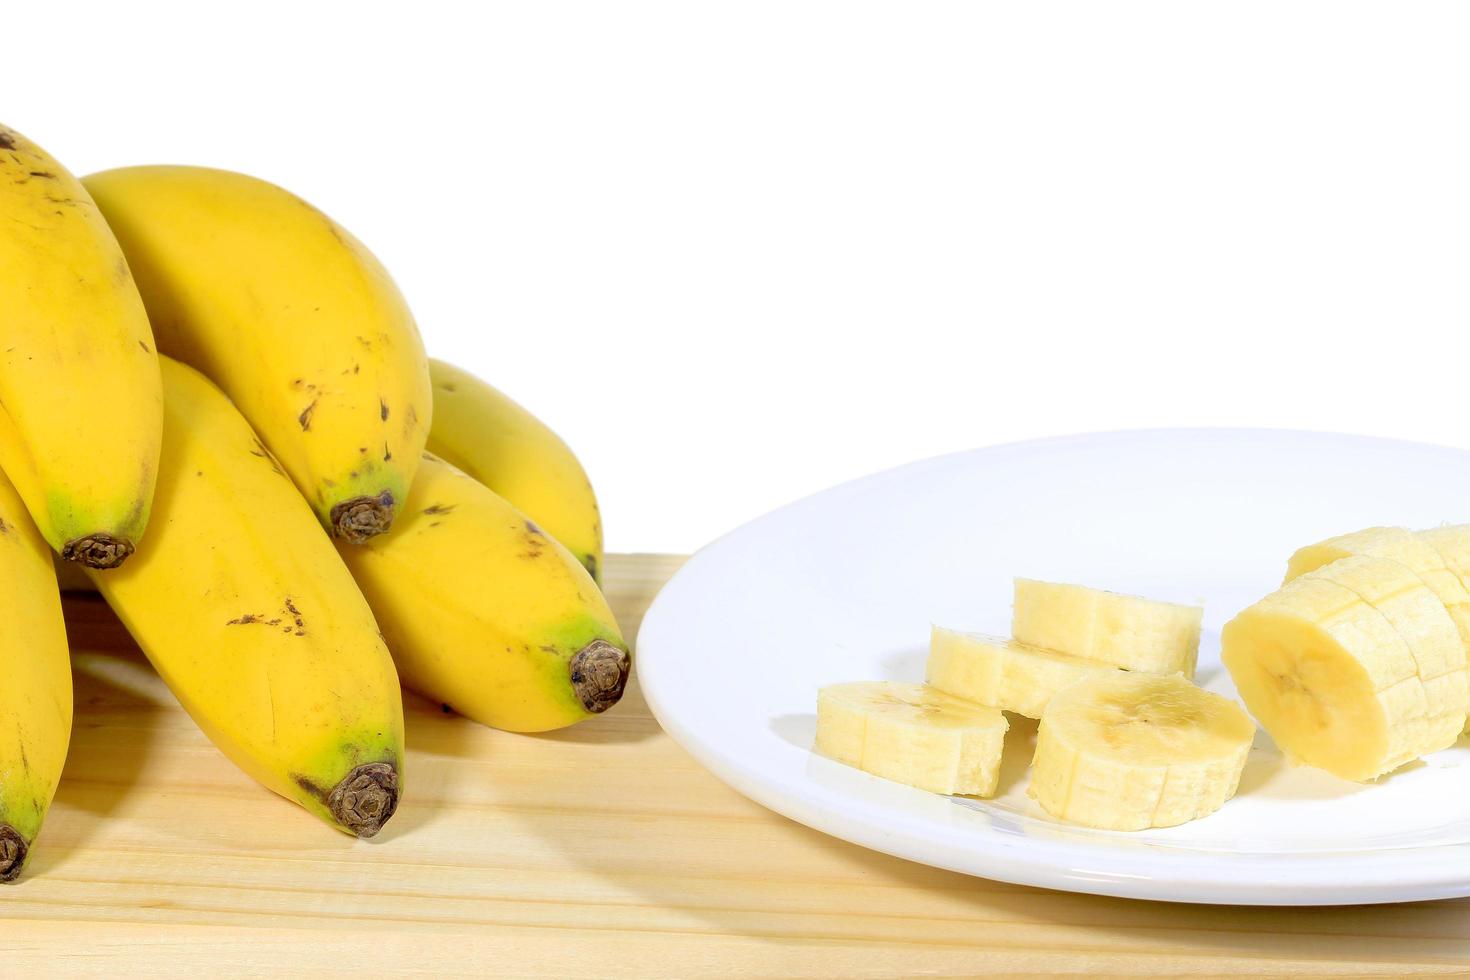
x=7, y=141
x=305, y=417
x=361, y=518
x=296, y=617
x=249, y=618
x=264, y=454
x=100, y=550
x=599, y=672
x=13, y=849
x=438, y=509
x=382, y=410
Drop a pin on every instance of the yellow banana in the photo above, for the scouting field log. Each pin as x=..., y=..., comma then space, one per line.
x=293, y=317
x=512, y=452
x=81, y=413
x=486, y=614
x=251, y=619
x=35, y=696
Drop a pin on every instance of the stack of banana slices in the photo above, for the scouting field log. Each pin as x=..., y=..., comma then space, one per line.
x=1357, y=665
x=1125, y=740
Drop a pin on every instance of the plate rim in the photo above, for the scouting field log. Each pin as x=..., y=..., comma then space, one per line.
x=1406, y=874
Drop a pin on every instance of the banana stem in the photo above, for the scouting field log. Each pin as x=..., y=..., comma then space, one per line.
x=13, y=850
x=366, y=797
x=599, y=672
x=100, y=550
x=361, y=518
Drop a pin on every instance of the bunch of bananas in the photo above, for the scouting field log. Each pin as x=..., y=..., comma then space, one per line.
x=216, y=410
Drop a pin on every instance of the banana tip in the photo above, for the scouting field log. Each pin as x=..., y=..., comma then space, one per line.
x=13, y=848
x=599, y=673
x=361, y=518
x=366, y=797
x=100, y=550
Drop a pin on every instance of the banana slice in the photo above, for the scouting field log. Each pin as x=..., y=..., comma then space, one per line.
x=912, y=734
x=1009, y=675
x=1335, y=684
x=1128, y=751
x=1121, y=630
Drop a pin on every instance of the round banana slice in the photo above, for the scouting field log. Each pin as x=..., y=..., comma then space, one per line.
x=912, y=734
x=1008, y=675
x=1335, y=683
x=1108, y=627
x=1128, y=751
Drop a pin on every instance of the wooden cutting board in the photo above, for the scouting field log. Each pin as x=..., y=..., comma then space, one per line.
x=601, y=851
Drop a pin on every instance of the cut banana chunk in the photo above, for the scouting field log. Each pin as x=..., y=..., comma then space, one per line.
x=1452, y=542
x=1127, y=751
x=912, y=734
x=1412, y=608
x=1403, y=546
x=1003, y=673
x=1121, y=630
x=1335, y=684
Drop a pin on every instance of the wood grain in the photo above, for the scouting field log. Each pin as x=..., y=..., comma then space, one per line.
x=601, y=851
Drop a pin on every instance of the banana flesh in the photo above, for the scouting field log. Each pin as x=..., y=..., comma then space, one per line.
x=1414, y=550
x=1120, y=630
x=912, y=734
x=1127, y=751
x=1333, y=680
x=1003, y=673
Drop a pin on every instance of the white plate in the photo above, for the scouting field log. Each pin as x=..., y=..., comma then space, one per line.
x=843, y=586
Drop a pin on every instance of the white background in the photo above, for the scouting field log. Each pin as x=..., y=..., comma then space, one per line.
x=737, y=253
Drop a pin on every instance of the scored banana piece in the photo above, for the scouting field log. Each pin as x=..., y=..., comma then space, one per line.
x=1003, y=673
x=1417, y=551
x=912, y=734
x=1129, y=751
x=1332, y=680
x=1416, y=613
x=1452, y=543
x=1107, y=627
